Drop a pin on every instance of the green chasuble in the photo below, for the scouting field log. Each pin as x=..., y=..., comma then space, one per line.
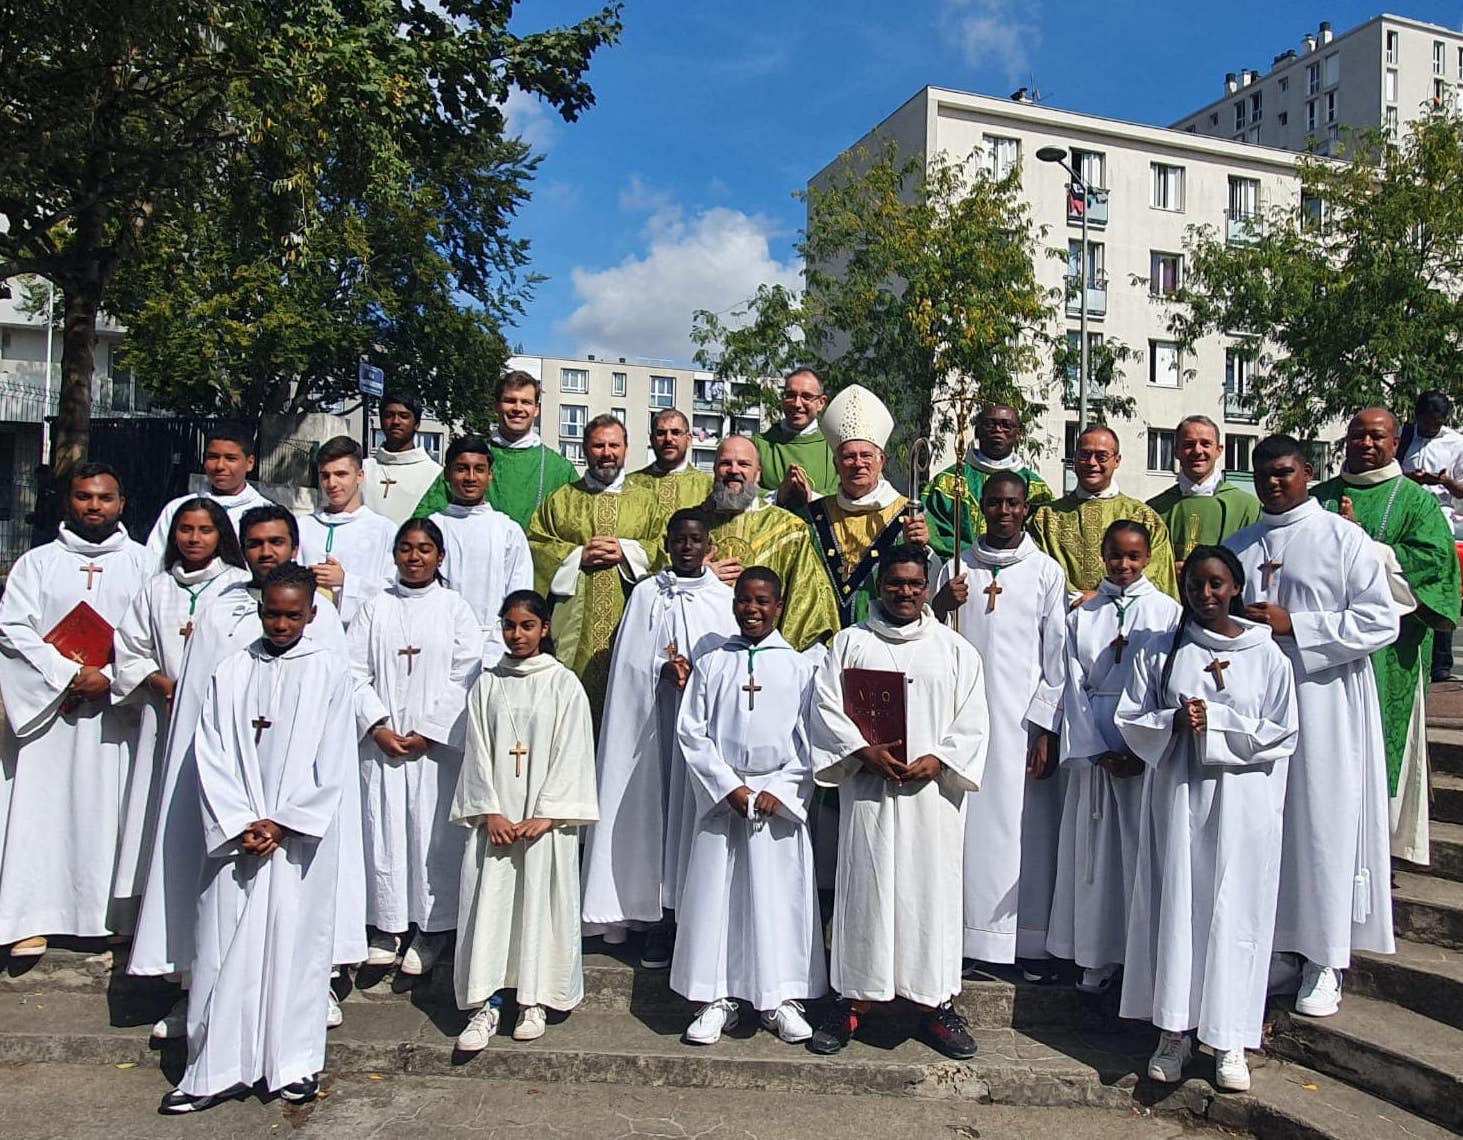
x=1407, y=518
x=1204, y=520
x=588, y=604
x=1071, y=529
x=778, y=539
x=849, y=546
x=688, y=488
x=523, y=477
x=436, y=499
x=940, y=500
x=778, y=449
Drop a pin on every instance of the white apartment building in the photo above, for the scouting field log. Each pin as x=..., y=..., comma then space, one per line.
x=1383, y=73
x=1158, y=183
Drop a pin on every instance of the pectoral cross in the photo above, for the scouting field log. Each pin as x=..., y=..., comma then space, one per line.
x=751, y=688
x=1217, y=667
x=260, y=723
x=672, y=648
x=1119, y=643
x=91, y=570
x=518, y=752
x=186, y=631
x=1269, y=568
x=387, y=482
x=990, y=592
x=409, y=653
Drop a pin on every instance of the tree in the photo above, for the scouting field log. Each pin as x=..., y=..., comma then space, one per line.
x=1353, y=298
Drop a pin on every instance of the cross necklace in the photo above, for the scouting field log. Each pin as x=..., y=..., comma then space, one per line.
x=1268, y=567
x=186, y=631
x=410, y=651
x=261, y=721
x=91, y=570
x=992, y=590
x=387, y=482
x=1217, y=668
x=1119, y=643
x=751, y=688
x=519, y=749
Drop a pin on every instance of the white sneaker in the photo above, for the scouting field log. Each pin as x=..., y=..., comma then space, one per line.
x=615, y=935
x=175, y=1024
x=1168, y=1060
x=1320, y=991
x=530, y=1025
x=381, y=949
x=333, y=1015
x=1095, y=980
x=1231, y=1071
x=423, y=953
x=480, y=1030
x=788, y=1022
x=713, y=1018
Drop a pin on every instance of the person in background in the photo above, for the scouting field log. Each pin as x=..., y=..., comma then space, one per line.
x=1431, y=453
x=526, y=471
x=345, y=542
x=401, y=480
x=796, y=462
x=228, y=461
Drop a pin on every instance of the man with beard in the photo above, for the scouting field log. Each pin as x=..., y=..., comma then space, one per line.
x=671, y=478
x=794, y=459
x=402, y=481
x=1202, y=508
x=591, y=542
x=67, y=757
x=746, y=531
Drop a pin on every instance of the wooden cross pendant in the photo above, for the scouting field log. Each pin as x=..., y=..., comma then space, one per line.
x=751, y=688
x=186, y=631
x=672, y=648
x=387, y=482
x=260, y=723
x=990, y=592
x=1269, y=568
x=518, y=752
x=1119, y=643
x=1217, y=667
x=409, y=653
x=91, y=570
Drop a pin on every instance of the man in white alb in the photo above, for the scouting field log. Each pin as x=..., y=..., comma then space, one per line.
x=347, y=544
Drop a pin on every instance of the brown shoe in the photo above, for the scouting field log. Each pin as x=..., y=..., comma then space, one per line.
x=29, y=947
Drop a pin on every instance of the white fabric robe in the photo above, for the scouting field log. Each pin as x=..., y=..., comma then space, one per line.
x=1098, y=853
x=749, y=925
x=1335, y=874
x=234, y=506
x=412, y=473
x=152, y=639
x=486, y=559
x=518, y=914
x=163, y=941
x=1013, y=823
x=363, y=542
x=62, y=773
x=413, y=858
x=636, y=854
x=265, y=931
x=897, y=917
x=1203, y=910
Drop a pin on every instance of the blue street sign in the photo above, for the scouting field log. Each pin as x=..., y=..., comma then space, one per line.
x=370, y=380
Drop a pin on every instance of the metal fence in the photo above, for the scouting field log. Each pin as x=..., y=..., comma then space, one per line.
x=154, y=456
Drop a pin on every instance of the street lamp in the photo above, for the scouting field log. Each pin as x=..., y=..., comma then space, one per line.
x=1058, y=155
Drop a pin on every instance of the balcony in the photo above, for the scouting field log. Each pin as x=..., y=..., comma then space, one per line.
x=1096, y=296
x=1096, y=207
x=1237, y=409
x=1241, y=229
x=1096, y=390
x=701, y=404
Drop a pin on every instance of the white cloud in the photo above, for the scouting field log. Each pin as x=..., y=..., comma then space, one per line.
x=713, y=260
x=530, y=119
x=998, y=33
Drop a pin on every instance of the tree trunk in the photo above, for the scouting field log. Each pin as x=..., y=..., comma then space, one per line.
x=72, y=432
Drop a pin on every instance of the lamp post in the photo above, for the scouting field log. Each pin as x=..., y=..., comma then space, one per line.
x=1059, y=155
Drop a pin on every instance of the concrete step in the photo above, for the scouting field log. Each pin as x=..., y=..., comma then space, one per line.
x=1382, y=1049
x=1426, y=908
x=1445, y=849
x=1447, y=805
x=1445, y=746
x=1423, y=978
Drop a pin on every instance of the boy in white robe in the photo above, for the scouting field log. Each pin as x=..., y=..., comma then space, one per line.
x=1320, y=584
x=635, y=855
x=273, y=753
x=347, y=545
x=1213, y=718
x=749, y=921
x=416, y=651
x=487, y=556
x=402, y=480
x=1098, y=852
x=64, y=762
x=898, y=899
x=228, y=461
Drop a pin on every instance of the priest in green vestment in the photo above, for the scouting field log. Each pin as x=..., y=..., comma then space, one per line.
x=1403, y=516
x=997, y=435
x=525, y=471
x=591, y=542
x=1071, y=529
x=671, y=478
x=1202, y=508
x=747, y=531
x=797, y=465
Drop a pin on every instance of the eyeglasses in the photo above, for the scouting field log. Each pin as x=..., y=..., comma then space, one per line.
x=1097, y=456
x=800, y=397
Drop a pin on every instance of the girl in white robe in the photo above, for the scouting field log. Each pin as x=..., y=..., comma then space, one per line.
x=1214, y=719
x=200, y=561
x=1098, y=851
x=527, y=786
x=415, y=651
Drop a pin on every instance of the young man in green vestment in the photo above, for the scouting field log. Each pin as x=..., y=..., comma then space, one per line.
x=1373, y=492
x=525, y=471
x=671, y=478
x=1202, y=508
x=997, y=435
x=797, y=464
x=402, y=480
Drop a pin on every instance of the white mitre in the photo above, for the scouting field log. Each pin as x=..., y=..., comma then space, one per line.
x=856, y=413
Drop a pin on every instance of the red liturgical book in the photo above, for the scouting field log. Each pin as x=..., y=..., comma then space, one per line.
x=874, y=700
x=84, y=636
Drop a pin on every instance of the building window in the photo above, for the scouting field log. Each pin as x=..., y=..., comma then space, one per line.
x=1312, y=211
x=1313, y=79
x=1389, y=86
x=706, y=429
x=572, y=450
x=1239, y=115
x=746, y=425
x=1165, y=273
x=1460, y=63
x=619, y=414
x=574, y=380
x=1092, y=166
x=1163, y=364
x=1439, y=48
x=572, y=418
x=1333, y=68
x=1069, y=443
x=1391, y=123
x=1001, y=155
x=1330, y=106
x=1160, y=449
x=428, y=441
x=1096, y=261
x=1237, y=388
x=619, y=383
x=1311, y=116
x=1255, y=106
x=1214, y=119
x=1168, y=187
x=1284, y=117
x=1284, y=83
x=662, y=391
x=1237, y=450
x=1244, y=197
x=1440, y=92
x=1391, y=47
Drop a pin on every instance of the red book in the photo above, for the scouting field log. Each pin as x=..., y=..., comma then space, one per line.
x=84, y=636
x=874, y=700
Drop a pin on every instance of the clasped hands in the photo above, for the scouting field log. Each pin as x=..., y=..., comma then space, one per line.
x=262, y=837
x=397, y=746
x=879, y=760
x=503, y=832
x=600, y=552
x=764, y=804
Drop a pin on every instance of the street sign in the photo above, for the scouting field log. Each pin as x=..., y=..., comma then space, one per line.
x=370, y=380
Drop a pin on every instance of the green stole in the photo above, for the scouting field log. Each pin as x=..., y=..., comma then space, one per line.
x=523, y=477
x=778, y=449
x=940, y=501
x=1204, y=520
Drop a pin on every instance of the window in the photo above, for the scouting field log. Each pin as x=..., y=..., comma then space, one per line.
x=1163, y=364
x=1237, y=388
x=1095, y=390
x=1096, y=261
x=746, y=425
x=1389, y=86
x=1333, y=68
x=1313, y=79
x=1311, y=116
x=1239, y=115
x=1214, y=119
x=619, y=383
x=1255, y=106
x=1284, y=117
x=1168, y=187
x=662, y=391
x=1391, y=123
x=572, y=450
x=1284, y=83
x=1001, y=155
x=619, y=414
x=574, y=380
x=1165, y=273
x=1092, y=166
x=428, y=441
x=1330, y=106
x=1391, y=47
x=1069, y=443
x=572, y=418
x=1160, y=449
x=1312, y=211
x=1440, y=92
x=1460, y=63
x=1237, y=450
x=1438, y=49
x=1244, y=197
x=705, y=429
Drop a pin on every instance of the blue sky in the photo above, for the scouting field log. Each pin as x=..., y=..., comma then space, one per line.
x=675, y=191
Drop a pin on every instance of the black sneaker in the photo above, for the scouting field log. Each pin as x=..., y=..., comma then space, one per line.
x=177, y=1102
x=944, y=1028
x=301, y=1092
x=660, y=941
x=1040, y=971
x=837, y=1029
